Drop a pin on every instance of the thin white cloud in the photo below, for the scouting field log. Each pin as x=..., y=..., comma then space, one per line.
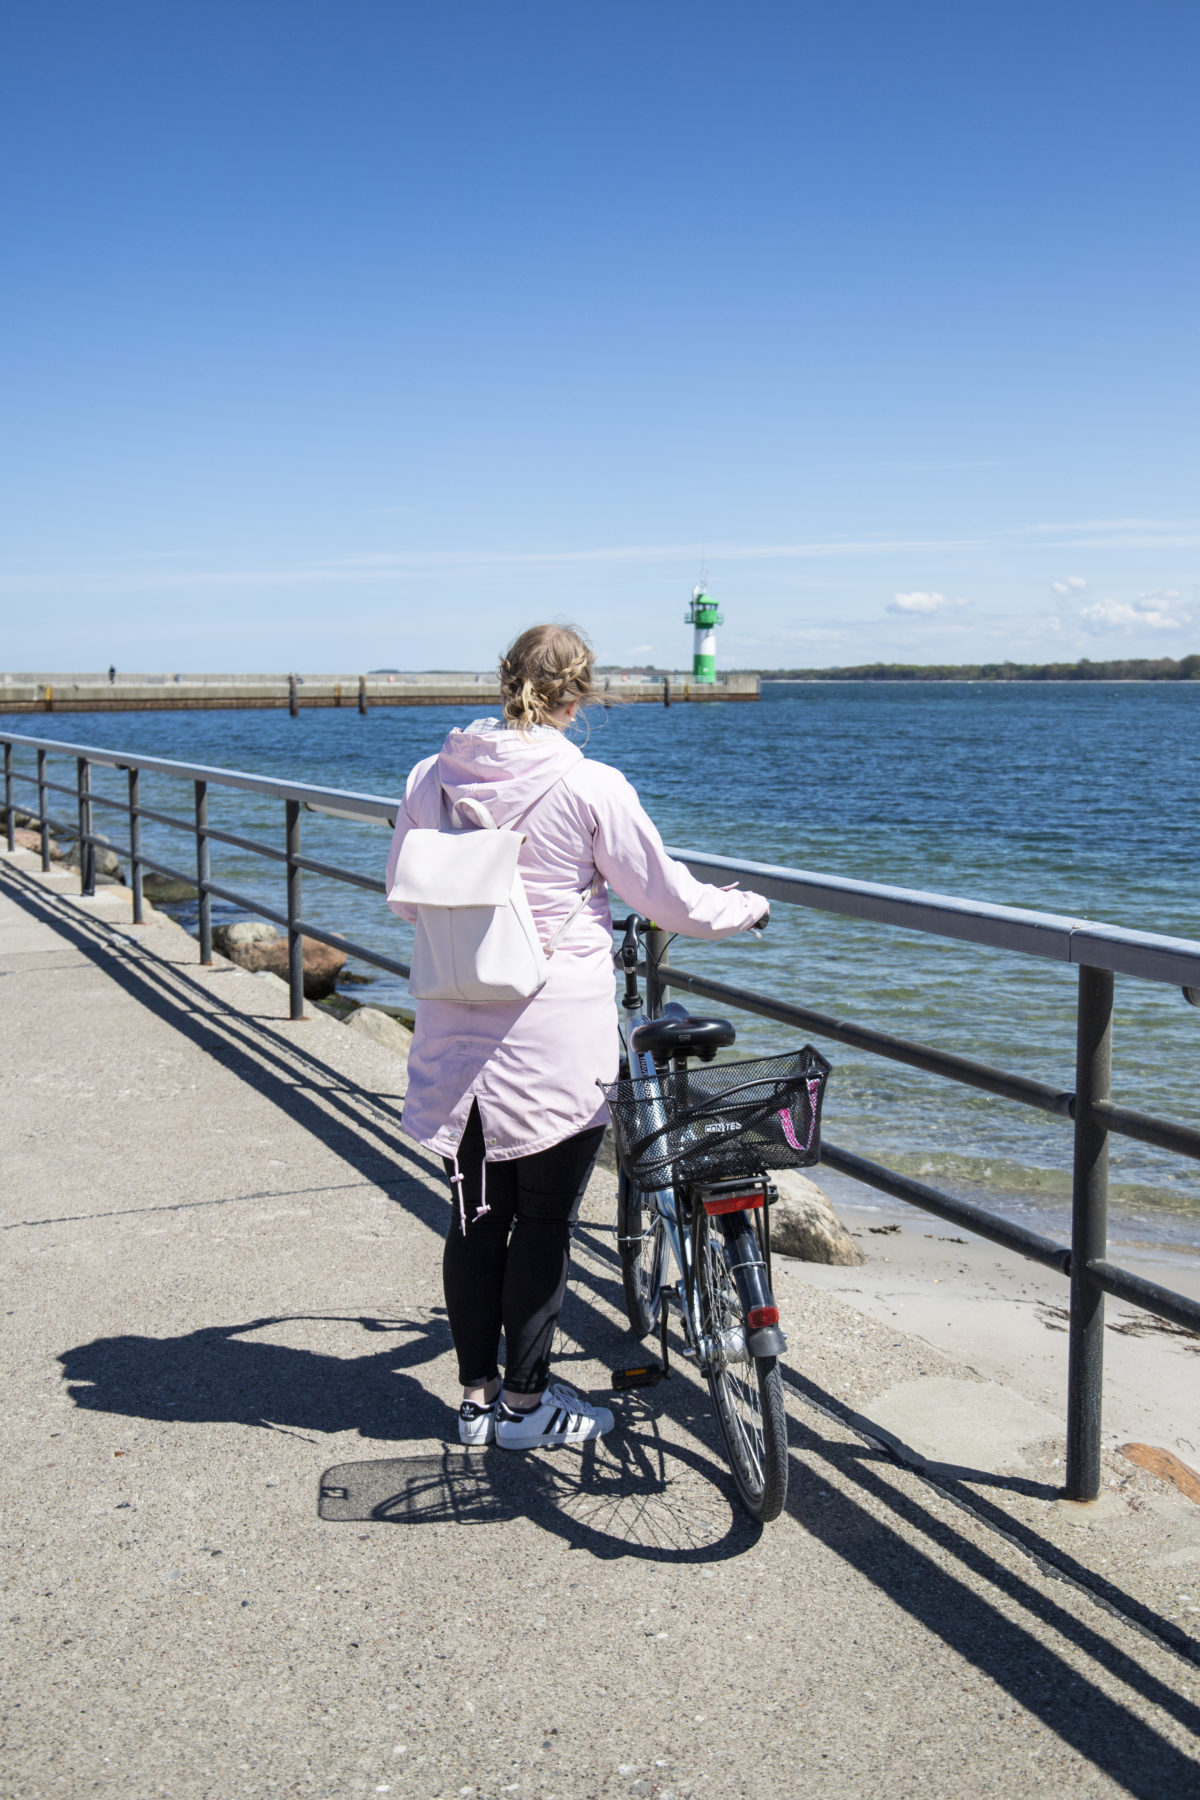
x=922, y=603
x=151, y=571
x=1069, y=585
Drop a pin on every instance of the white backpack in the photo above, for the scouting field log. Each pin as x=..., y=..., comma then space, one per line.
x=475, y=939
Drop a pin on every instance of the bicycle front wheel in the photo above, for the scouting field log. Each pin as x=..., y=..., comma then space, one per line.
x=746, y=1391
x=643, y=1250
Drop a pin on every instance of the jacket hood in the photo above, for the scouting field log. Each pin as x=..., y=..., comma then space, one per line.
x=506, y=770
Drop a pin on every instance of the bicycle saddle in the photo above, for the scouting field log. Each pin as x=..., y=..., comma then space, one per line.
x=666, y=1038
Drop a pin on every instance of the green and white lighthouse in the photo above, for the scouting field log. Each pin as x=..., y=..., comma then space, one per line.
x=703, y=615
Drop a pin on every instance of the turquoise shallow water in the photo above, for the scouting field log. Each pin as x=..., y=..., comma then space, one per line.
x=1074, y=799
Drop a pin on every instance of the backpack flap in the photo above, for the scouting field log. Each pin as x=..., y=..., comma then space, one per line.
x=456, y=868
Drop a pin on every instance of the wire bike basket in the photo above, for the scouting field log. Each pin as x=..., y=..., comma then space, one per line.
x=720, y=1119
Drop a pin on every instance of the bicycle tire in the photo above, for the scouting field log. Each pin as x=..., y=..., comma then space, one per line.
x=643, y=1251
x=746, y=1392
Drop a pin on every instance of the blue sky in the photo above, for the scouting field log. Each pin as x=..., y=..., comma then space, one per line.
x=339, y=337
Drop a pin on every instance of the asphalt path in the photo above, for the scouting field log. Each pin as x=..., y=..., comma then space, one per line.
x=246, y=1556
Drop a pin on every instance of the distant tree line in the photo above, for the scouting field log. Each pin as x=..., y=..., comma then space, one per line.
x=1136, y=668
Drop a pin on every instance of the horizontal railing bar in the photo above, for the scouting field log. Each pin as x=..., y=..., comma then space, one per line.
x=371, y=883
x=240, y=843
x=1183, y=1140
x=310, y=931
x=1165, y=1134
x=188, y=825
x=357, y=950
x=957, y=1212
x=172, y=874
x=917, y=1056
x=99, y=799
x=353, y=812
x=368, y=807
x=1142, y=953
x=250, y=906
x=1122, y=1284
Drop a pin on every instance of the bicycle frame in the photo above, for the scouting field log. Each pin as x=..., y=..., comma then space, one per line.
x=678, y=1231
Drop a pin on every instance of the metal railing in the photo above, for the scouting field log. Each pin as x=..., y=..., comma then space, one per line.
x=1099, y=951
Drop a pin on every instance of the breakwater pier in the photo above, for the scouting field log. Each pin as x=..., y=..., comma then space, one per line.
x=45, y=693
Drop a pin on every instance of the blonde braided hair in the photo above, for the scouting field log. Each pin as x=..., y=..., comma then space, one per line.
x=546, y=668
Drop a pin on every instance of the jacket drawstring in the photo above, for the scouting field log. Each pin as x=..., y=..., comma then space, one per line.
x=456, y=1182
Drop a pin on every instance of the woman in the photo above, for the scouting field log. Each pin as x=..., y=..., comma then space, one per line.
x=506, y=1091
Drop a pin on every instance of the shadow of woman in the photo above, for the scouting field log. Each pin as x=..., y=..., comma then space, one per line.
x=220, y=1374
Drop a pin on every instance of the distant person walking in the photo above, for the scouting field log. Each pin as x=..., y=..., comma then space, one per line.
x=112, y=674
x=506, y=1091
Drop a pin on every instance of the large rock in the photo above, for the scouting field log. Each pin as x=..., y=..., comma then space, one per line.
x=322, y=964
x=32, y=840
x=106, y=863
x=227, y=938
x=804, y=1224
x=381, y=1028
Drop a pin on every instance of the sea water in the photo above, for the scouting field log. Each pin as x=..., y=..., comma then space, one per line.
x=1069, y=798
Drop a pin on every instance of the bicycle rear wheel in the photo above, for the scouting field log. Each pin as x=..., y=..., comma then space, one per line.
x=746, y=1391
x=643, y=1249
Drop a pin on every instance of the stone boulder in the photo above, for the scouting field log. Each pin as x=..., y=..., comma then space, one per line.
x=322, y=964
x=804, y=1224
x=381, y=1028
x=245, y=931
x=32, y=840
x=107, y=864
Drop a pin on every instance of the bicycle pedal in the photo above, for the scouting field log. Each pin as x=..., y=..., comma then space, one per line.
x=645, y=1375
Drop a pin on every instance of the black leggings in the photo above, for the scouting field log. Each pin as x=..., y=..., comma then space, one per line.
x=495, y=1280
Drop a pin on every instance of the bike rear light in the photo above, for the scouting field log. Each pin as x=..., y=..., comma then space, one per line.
x=726, y=1203
x=759, y=1316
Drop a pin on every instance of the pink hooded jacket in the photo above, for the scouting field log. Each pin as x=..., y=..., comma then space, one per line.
x=532, y=1065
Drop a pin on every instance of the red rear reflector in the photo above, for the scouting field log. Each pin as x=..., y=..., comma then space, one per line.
x=724, y=1203
x=762, y=1315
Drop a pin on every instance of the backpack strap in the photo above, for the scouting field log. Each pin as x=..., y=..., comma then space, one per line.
x=593, y=888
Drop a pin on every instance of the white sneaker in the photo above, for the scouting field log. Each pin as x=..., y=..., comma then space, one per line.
x=476, y=1424
x=562, y=1417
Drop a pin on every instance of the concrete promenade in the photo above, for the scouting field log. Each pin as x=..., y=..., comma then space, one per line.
x=242, y=1557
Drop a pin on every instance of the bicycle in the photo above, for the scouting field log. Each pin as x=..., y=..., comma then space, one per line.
x=694, y=1146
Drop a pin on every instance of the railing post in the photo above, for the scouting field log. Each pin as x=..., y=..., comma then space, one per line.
x=41, y=781
x=362, y=695
x=135, y=844
x=293, y=704
x=203, y=872
x=295, y=939
x=657, y=953
x=10, y=830
x=1089, y=1234
x=87, y=850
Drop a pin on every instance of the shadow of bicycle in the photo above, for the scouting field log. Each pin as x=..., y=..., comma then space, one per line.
x=632, y=1496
